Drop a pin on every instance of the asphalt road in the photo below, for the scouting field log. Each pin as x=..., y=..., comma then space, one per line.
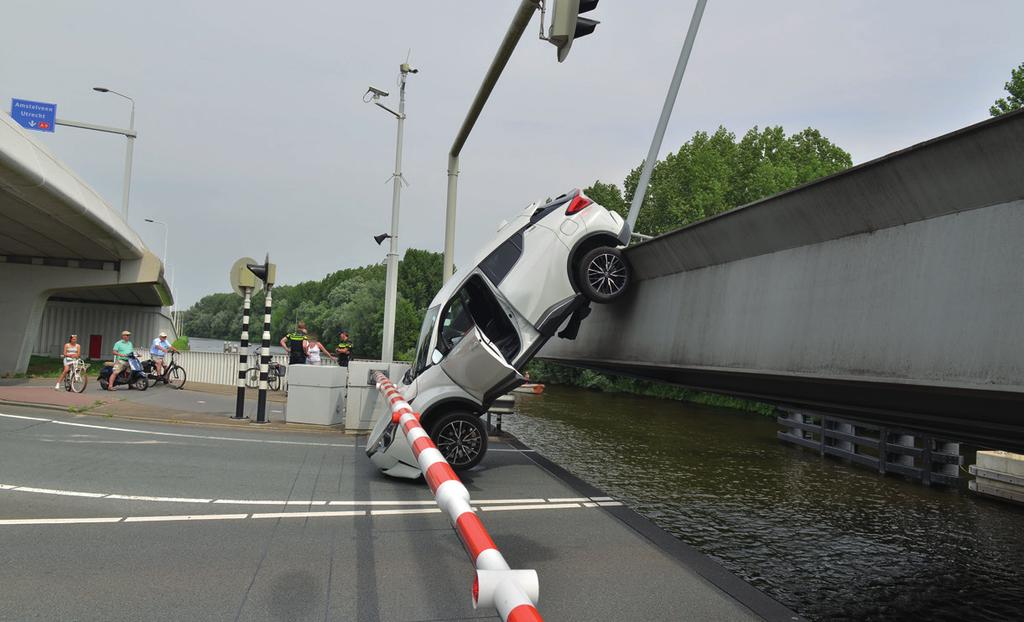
x=106, y=519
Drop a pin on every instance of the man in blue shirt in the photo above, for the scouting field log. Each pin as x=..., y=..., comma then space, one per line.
x=157, y=351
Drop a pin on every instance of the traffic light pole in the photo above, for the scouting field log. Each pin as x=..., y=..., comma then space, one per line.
x=243, y=355
x=515, y=32
x=666, y=112
x=261, y=403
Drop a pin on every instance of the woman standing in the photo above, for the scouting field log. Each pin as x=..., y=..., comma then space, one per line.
x=72, y=352
x=313, y=350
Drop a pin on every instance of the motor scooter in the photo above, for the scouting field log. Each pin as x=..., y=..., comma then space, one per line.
x=132, y=375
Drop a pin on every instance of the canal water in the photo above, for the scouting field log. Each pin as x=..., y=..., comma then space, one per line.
x=830, y=540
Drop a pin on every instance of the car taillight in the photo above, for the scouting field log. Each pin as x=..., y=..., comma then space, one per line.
x=577, y=204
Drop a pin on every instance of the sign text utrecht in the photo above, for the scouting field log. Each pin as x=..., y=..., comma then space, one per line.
x=39, y=116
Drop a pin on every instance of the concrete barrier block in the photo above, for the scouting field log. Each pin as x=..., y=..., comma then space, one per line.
x=993, y=461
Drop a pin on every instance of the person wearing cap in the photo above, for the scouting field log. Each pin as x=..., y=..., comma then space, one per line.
x=72, y=352
x=157, y=351
x=344, y=349
x=121, y=350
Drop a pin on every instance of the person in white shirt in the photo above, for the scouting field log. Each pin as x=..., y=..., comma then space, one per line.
x=313, y=350
x=157, y=351
x=72, y=352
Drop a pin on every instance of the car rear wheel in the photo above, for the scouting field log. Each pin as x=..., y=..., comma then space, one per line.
x=603, y=274
x=461, y=438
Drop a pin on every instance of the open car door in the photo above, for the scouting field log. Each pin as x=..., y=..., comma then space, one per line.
x=477, y=366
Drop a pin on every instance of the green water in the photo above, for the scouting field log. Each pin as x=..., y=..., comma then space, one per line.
x=831, y=540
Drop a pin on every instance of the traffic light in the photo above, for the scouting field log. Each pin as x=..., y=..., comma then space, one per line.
x=567, y=25
x=266, y=272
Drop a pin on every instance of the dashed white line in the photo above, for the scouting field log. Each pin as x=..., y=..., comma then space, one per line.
x=311, y=514
x=161, y=499
x=184, y=517
x=538, y=506
x=59, y=521
x=398, y=512
x=49, y=491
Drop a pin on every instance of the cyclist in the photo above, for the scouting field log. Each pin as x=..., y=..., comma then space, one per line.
x=72, y=352
x=121, y=350
x=296, y=344
x=157, y=351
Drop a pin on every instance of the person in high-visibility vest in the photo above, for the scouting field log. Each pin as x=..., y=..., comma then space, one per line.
x=295, y=344
x=344, y=349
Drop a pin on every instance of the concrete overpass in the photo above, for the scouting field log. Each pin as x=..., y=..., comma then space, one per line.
x=66, y=255
x=891, y=293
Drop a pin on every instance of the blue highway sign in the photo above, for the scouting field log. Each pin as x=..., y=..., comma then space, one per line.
x=38, y=116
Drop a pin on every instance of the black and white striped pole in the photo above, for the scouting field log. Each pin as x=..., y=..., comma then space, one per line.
x=244, y=282
x=266, y=273
x=261, y=403
x=243, y=355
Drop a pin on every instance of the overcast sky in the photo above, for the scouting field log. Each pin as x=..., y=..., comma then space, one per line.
x=253, y=135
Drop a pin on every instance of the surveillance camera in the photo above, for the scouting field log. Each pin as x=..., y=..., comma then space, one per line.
x=407, y=68
x=377, y=92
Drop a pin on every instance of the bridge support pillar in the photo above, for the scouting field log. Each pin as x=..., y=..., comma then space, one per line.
x=27, y=287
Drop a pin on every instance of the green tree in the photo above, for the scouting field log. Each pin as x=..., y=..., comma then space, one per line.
x=351, y=299
x=1015, y=87
x=608, y=196
x=713, y=173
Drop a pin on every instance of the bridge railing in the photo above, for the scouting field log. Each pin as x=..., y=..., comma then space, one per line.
x=514, y=593
x=215, y=367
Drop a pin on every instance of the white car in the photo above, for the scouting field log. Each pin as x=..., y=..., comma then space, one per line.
x=542, y=270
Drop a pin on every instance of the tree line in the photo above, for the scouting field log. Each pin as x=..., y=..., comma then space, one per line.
x=351, y=299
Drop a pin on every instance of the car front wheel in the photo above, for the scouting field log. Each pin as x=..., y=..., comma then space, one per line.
x=461, y=438
x=603, y=274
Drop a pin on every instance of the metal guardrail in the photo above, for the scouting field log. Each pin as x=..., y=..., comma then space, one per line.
x=215, y=367
x=514, y=593
x=915, y=455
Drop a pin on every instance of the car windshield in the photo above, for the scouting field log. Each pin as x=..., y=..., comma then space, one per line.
x=423, y=345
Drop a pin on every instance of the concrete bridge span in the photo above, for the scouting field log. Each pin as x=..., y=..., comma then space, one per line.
x=60, y=241
x=892, y=292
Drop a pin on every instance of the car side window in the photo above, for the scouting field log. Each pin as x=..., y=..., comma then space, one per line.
x=455, y=323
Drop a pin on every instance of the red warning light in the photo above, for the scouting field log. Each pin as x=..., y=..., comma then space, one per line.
x=43, y=125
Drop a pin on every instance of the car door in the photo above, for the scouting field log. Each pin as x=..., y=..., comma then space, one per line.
x=476, y=365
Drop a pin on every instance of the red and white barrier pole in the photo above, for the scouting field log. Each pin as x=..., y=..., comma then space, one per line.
x=514, y=593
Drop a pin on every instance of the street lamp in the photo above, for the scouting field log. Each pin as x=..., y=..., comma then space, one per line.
x=128, y=155
x=160, y=222
x=391, y=288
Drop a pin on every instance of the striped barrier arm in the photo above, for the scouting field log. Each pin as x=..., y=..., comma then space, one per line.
x=514, y=593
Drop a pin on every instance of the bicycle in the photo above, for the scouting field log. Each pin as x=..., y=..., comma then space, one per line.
x=275, y=371
x=76, y=379
x=174, y=374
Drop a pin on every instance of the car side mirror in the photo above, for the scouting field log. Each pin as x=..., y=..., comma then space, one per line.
x=436, y=357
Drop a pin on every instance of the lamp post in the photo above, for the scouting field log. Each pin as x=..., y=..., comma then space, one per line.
x=387, y=349
x=128, y=154
x=160, y=222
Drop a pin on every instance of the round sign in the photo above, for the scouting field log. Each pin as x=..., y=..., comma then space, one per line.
x=240, y=277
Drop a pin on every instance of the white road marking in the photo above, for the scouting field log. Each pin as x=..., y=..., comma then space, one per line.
x=399, y=512
x=178, y=435
x=609, y=504
x=59, y=521
x=286, y=502
x=570, y=500
x=327, y=514
x=539, y=506
x=48, y=491
x=161, y=499
x=311, y=514
x=157, y=519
